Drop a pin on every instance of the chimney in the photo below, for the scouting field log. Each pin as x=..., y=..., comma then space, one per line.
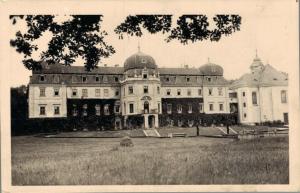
x=186, y=66
x=116, y=65
x=105, y=65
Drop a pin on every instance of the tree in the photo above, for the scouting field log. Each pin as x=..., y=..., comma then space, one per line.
x=81, y=35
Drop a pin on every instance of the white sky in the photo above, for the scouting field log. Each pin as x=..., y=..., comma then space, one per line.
x=267, y=27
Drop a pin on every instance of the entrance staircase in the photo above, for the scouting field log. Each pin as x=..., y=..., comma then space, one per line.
x=151, y=133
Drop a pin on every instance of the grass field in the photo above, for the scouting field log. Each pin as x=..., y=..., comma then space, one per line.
x=196, y=160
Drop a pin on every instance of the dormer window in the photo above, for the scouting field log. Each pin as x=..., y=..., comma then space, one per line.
x=105, y=79
x=83, y=78
x=97, y=78
x=56, y=79
x=145, y=76
x=208, y=79
x=188, y=79
x=116, y=79
x=168, y=79
x=143, y=60
x=42, y=78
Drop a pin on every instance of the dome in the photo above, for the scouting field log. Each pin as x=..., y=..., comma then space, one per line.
x=139, y=60
x=211, y=69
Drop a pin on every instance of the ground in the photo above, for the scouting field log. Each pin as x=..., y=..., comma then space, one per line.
x=192, y=160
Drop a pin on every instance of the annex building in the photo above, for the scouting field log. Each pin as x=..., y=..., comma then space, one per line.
x=141, y=94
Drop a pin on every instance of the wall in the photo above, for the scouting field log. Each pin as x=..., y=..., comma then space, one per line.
x=35, y=101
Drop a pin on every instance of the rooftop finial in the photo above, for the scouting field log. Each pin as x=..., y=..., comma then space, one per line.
x=208, y=60
x=256, y=53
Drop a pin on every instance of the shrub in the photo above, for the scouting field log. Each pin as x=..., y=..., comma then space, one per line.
x=126, y=142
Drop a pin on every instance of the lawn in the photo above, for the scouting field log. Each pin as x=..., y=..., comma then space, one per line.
x=196, y=160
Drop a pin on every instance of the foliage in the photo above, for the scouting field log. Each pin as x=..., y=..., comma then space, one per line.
x=190, y=28
x=80, y=36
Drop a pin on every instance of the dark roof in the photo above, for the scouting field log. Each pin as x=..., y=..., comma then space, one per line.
x=211, y=69
x=179, y=71
x=62, y=69
x=139, y=60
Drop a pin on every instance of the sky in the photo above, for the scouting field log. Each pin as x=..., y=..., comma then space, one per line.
x=267, y=26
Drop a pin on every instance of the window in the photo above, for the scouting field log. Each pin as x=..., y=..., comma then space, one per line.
x=56, y=91
x=84, y=110
x=131, y=108
x=168, y=92
x=106, y=92
x=190, y=110
x=74, y=79
x=244, y=104
x=245, y=115
x=42, y=78
x=189, y=92
x=97, y=109
x=158, y=106
x=244, y=94
x=56, y=79
x=169, y=108
x=143, y=60
x=42, y=91
x=97, y=78
x=74, y=92
x=42, y=110
x=145, y=89
x=254, y=98
x=158, y=90
x=145, y=76
x=211, y=107
x=116, y=92
x=74, y=110
x=105, y=79
x=220, y=91
x=168, y=79
x=97, y=92
x=56, y=110
x=200, y=107
x=283, y=96
x=178, y=92
x=210, y=90
x=130, y=89
x=106, y=109
x=179, y=108
x=116, y=79
x=199, y=92
x=83, y=78
x=84, y=93
x=188, y=79
x=221, y=107
x=117, y=108
x=208, y=79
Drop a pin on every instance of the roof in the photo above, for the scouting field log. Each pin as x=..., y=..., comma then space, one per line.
x=139, y=60
x=211, y=69
x=179, y=71
x=268, y=76
x=62, y=69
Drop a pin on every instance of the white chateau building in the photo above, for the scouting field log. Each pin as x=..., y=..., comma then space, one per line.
x=141, y=94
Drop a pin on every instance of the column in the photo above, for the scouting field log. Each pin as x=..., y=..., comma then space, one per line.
x=146, y=123
x=156, y=121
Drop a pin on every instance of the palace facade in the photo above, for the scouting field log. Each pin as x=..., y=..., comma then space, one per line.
x=141, y=94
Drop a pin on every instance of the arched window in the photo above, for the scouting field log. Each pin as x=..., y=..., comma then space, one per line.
x=146, y=107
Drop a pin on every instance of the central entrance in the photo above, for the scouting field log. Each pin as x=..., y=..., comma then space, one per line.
x=151, y=121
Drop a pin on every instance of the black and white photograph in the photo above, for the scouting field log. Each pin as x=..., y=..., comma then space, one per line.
x=163, y=94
